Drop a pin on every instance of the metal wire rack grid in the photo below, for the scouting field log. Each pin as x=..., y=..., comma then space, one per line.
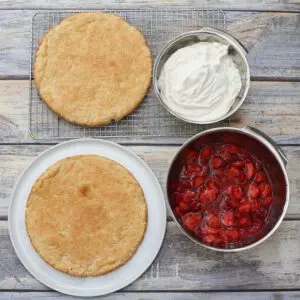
x=150, y=118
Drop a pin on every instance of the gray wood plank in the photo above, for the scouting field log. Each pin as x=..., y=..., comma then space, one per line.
x=273, y=107
x=13, y=160
x=283, y=5
x=271, y=38
x=183, y=265
x=160, y=295
x=266, y=36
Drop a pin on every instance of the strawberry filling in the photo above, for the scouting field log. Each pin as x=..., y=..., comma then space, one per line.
x=222, y=195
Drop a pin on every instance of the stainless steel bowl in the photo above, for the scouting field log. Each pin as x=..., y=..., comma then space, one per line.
x=237, y=51
x=263, y=148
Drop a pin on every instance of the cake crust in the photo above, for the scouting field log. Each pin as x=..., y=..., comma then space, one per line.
x=86, y=215
x=93, y=68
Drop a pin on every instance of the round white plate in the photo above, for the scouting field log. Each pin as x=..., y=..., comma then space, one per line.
x=121, y=277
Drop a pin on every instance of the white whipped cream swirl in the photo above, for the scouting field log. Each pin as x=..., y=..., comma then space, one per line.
x=200, y=82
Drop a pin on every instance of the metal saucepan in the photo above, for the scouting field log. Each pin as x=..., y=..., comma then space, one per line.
x=265, y=150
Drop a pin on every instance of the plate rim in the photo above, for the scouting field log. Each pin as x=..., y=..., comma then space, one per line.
x=30, y=266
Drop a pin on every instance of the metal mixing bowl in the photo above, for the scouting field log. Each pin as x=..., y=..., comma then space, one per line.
x=236, y=50
x=265, y=150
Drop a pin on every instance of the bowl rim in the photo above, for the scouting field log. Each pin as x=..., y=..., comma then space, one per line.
x=272, y=149
x=222, y=34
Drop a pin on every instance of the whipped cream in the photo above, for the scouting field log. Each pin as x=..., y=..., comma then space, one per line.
x=200, y=82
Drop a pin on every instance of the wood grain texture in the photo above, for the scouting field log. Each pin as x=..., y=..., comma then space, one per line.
x=159, y=295
x=14, y=159
x=273, y=107
x=271, y=38
x=183, y=265
x=283, y=5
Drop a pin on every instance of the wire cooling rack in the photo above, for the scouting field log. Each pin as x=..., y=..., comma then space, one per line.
x=150, y=118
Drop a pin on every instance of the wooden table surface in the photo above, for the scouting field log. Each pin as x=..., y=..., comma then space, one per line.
x=270, y=29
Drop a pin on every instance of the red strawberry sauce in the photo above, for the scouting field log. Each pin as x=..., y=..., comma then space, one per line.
x=222, y=195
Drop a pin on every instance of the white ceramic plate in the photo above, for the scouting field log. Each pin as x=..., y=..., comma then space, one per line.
x=121, y=277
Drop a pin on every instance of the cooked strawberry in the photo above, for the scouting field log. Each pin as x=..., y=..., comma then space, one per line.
x=223, y=235
x=258, y=224
x=207, y=196
x=183, y=206
x=267, y=201
x=203, y=170
x=237, y=192
x=233, y=157
x=228, y=219
x=216, y=162
x=233, y=172
x=219, y=242
x=212, y=221
x=249, y=169
x=224, y=205
x=241, y=179
x=244, y=234
x=253, y=191
x=255, y=204
x=188, y=196
x=260, y=213
x=228, y=190
x=213, y=186
x=198, y=181
x=217, y=179
x=242, y=214
x=245, y=222
x=183, y=185
x=260, y=177
x=205, y=229
x=191, y=169
x=206, y=152
x=201, y=189
x=194, y=206
x=244, y=205
x=238, y=164
x=225, y=155
x=233, y=202
x=266, y=190
x=233, y=235
x=191, y=220
x=231, y=148
x=209, y=239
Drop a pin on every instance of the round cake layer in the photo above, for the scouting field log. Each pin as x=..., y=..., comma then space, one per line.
x=93, y=68
x=86, y=215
